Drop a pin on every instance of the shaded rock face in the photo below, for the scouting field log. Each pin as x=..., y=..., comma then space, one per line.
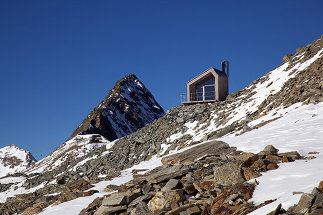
x=14, y=159
x=128, y=107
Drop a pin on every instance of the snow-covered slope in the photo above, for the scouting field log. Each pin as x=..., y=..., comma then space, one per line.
x=72, y=149
x=14, y=159
x=300, y=129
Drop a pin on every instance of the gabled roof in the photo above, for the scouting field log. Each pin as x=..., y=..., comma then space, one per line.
x=211, y=70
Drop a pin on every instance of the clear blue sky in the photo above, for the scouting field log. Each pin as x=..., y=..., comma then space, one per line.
x=58, y=59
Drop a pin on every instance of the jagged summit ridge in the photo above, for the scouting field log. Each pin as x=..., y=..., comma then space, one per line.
x=14, y=159
x=128, y=106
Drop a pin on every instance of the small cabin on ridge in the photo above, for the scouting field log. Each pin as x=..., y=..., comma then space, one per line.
x=212, y=85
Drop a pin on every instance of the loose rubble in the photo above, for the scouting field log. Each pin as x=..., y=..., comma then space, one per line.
x=199, y=182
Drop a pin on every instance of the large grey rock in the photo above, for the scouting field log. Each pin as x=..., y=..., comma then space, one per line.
x=115, y=199
x=163, y=200
x=269, y=150
x=163, y=173
x=141, y=209
x=106, y=210
x=228, y=174
x=305, y=203
x=210, y=148
x=171, y=184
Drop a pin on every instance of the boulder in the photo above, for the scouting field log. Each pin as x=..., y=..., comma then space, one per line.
x=106, y=210
x=228, y=174
x=294, y=155
x=250, y=173
x=163, y=200
x=269, y=150
x=146, y=188
x=247, y=159
x=272, y=166
x=115, y=199
x=165, y=173
x=321, y=186
x=189, y=156
x=259, y=165
x=207, y=184
x=273, y=158
x=305, y=203
x=171, y=184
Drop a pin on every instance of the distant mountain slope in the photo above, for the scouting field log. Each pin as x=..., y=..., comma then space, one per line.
x=14, y=159
x=128, y=107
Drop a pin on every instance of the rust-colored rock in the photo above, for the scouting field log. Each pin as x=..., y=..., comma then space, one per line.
x=247, y=159
x=190, y=189
x=207, y=184
x=273, y=158
x=197, y=173
x=259, y=165
x=250, y=173
x=293, y=155
x=90, y=192
x=321, y=186
x=286, y=159
x=272, y=166
x=168, y=161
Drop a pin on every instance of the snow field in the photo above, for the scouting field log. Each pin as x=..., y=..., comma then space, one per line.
x=299, y=130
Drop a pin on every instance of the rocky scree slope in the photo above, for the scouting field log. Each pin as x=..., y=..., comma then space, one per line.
x=298, y=81
x=14, y=159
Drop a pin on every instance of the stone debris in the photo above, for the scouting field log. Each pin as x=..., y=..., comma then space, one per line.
x=220, y=187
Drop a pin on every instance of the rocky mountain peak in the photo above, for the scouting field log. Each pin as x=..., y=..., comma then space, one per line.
x=128, y=106
x=13, y=159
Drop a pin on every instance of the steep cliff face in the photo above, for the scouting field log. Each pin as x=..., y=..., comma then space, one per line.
x=128, y=107
x=14, y=159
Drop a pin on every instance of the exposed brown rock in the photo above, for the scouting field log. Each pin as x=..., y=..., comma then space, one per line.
x=228, y=174
x=305, y=203
x=250, y=173
x=247, y=159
